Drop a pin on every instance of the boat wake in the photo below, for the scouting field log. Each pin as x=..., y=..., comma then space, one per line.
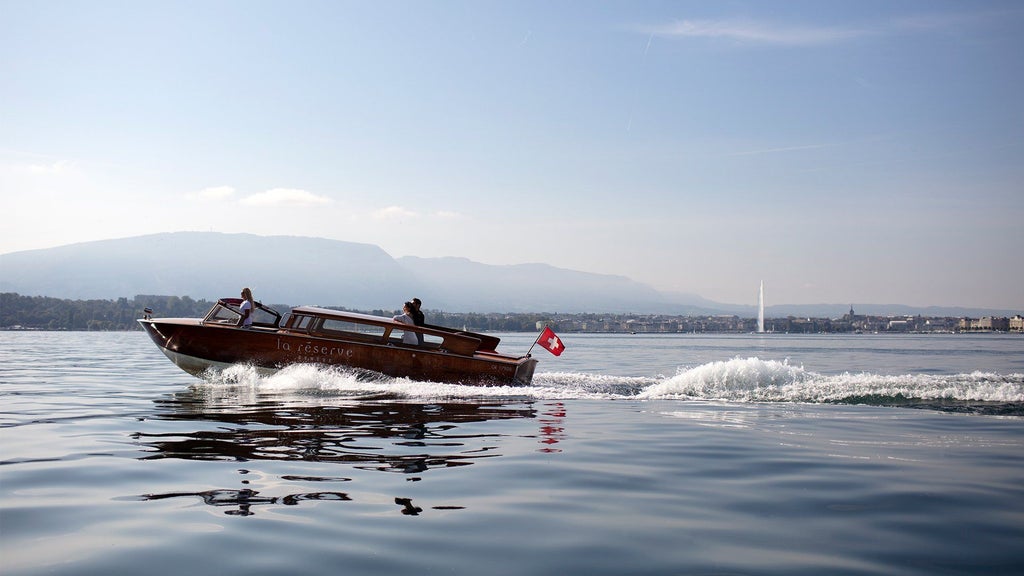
x=755, y=380
x=739, y=380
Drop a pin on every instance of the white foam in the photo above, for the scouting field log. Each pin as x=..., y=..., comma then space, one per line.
x=744, y=379
x=735, y=380
x=755, y=380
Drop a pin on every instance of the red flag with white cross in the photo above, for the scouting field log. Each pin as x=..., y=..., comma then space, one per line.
x=550, y=341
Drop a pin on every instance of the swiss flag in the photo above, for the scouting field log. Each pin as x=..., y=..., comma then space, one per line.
x=550, y=341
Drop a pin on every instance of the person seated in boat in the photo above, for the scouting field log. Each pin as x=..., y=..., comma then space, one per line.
x=246, y=309
x=417, y=317
x=406, y=317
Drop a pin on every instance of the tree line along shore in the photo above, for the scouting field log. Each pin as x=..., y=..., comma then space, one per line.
x=19, y=312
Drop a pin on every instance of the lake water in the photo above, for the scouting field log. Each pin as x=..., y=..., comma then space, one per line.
x=631, y=454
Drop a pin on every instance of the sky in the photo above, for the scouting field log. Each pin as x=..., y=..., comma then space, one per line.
x=868, y=151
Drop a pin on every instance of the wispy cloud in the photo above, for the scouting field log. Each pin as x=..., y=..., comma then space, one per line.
x=765, y=32
x=867, y=140
x=36, y=169
x=397, y=213
x=212, y=193
x=52, y=168
x=285, y=197
x=781, y=149
x=759, y=32
x=394, y=213
x=955, y=21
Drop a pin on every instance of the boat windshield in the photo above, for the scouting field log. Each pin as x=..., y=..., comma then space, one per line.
x=226, y=311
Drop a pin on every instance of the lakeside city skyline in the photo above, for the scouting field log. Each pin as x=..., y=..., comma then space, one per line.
x=46, y=313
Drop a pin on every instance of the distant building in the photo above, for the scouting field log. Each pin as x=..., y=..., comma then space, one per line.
x=1017, y=323
x=993, y=323
x=939, y=324
x=984, y=324
x=899, y=325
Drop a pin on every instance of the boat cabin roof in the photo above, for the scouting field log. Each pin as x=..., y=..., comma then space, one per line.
x=325, y=322
x=341, y=314
x=453, y=340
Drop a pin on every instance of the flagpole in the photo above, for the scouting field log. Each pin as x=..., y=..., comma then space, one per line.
x=535, y=340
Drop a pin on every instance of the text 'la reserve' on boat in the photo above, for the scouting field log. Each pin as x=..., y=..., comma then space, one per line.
x=313, y=335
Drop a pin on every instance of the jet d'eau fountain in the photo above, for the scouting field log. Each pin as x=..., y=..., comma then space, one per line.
x=760, y=309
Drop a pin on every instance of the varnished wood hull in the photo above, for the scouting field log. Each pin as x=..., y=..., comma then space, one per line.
x=198, y=348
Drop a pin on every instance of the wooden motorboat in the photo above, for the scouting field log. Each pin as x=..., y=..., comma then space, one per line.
x=313, y=335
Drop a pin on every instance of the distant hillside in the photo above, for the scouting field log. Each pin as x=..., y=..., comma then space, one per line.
x=298, y=270
x=525, y=287
x=209, y=265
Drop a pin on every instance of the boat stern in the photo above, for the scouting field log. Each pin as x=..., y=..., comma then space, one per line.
x=524, y=371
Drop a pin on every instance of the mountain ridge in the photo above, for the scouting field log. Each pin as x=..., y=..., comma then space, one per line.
x=308, y=270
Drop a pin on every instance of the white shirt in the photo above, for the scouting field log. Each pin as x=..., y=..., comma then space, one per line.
x=246, y=305
x=407, y=336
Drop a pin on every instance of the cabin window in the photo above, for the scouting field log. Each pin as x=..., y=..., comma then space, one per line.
x=345, y=328
x=299, y=322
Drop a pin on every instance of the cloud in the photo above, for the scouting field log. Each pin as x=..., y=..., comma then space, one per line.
x=57, y=167
x=212, y=193
x=780, y=34
x=759, y=32
x=285, y=197
x=955, y=21
x=394, y=213
x=781, y=149
x=33, y=169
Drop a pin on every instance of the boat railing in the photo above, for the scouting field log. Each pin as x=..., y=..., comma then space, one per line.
x=487, y=343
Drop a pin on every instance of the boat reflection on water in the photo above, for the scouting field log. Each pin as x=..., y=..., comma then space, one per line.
x=363, y=435
x=354, y=433
x=241, y=501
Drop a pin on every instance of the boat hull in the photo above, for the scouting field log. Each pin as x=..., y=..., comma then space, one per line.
x=200, y=348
